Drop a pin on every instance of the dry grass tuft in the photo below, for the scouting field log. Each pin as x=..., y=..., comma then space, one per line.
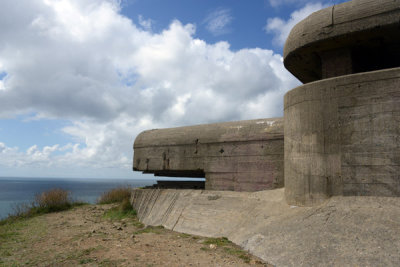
x=53, y=200
x=49, y=201
x=116, y=195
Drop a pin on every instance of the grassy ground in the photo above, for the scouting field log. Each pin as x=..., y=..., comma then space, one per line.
x=109, y=235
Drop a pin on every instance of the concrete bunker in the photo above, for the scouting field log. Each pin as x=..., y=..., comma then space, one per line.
x=341, y=128
x=238, y=156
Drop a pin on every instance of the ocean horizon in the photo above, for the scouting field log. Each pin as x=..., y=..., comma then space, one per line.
x=17, y=190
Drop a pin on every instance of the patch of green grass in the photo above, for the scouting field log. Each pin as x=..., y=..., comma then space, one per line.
x=80, y=256
x=137, y=224
x=222, y=241
x=9, y=263
x=17, y=235
x=122, y=211
x=86, y=261
x=183, y=235
x=87, y=251
x=118, y=214
x=151, y=229
x=245, y=257
x=7, y=235
x=9, y=231
x=228, y=247
x=233, y=251
x=239, y=253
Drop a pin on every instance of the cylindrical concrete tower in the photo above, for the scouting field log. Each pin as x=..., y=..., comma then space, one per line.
x=342, y=127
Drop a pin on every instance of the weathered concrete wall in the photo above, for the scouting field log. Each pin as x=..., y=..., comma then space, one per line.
x=342, y=133
x=356, y=36
x=342, y=137
x=238, y=156
x=344, y=231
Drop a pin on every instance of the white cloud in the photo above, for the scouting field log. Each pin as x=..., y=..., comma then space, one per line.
x=2, y=147
x=281, y=28
x=217, y=21
x=276, y=3
x=297, y=3
x=145, y=23
x=82, y=61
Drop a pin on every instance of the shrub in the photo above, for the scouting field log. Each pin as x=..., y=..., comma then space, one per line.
x=45, y=202
x=53, y=200
x=116, y=195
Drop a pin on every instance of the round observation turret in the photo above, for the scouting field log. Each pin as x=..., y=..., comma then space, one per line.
x=342, y=134
x=353, y=37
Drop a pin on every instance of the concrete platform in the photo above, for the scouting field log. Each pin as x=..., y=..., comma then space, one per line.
x=344, y=231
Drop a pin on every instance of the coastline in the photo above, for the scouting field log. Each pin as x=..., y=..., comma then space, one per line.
x=16, y=190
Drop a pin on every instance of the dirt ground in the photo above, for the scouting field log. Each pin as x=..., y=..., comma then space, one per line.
x=85, y=236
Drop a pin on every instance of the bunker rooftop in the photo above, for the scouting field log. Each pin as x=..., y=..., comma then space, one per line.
x=340, y=134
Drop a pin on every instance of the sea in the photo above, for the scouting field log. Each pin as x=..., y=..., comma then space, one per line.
x=14, y=191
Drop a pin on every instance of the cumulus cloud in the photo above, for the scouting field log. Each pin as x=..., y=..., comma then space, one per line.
x=281, y=28
x=145, y=23
x=217, y=22
x=84, y=62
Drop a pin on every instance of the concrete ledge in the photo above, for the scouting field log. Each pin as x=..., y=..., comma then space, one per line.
x=239, y=156
x=344, y=231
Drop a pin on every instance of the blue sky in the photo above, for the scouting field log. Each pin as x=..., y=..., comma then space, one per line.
x=79, y=79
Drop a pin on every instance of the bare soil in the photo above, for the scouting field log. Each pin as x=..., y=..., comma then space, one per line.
x=83, y=236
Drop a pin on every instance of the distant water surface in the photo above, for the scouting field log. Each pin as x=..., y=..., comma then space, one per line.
x=20, y=190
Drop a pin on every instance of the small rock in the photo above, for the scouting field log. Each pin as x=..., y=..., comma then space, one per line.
x=119, y=228
x=93, y=231
x=132, y=236
x=213, y=246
